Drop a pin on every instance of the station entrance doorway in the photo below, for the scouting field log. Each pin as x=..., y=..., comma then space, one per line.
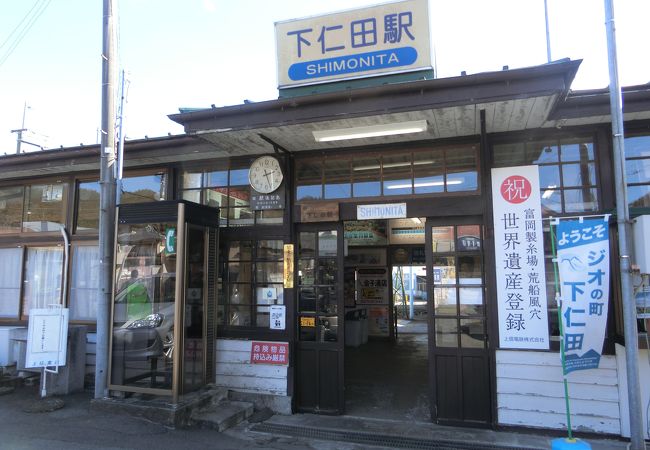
x=386, y=327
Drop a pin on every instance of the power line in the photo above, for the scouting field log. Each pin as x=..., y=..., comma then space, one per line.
x=32, y=16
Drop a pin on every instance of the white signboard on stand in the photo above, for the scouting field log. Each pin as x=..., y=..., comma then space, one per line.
x=47, y=337
x=519, y=258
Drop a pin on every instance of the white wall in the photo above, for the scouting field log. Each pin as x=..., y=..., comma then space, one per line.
x=644, y=379
x=235, y=371
x=530, y=393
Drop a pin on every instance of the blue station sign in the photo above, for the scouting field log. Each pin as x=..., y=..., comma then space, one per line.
x=378, y=40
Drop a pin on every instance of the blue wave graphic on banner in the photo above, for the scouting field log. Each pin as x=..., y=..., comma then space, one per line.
x=361, y=62
x=589, y=360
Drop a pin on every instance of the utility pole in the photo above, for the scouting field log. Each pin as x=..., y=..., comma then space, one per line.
x=623, y=220
x=106, y=199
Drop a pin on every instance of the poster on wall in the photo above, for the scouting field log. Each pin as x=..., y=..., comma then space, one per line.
x=372, y=286
x=519, y=258
x=378, y=321
x=583, y=264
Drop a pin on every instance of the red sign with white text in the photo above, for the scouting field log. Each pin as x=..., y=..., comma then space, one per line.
x=270, y=353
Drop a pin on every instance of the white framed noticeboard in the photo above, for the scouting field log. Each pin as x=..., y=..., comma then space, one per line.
x=47, y=337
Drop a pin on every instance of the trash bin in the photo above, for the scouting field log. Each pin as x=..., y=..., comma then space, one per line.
x=353, y=333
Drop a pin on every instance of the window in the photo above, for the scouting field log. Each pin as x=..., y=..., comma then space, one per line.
x=567, y=172
x=11, y=209
x=33, y=208
x=426, y=171
x=12, y=259
x=252, y=282
x=87, y=206
x=228, y=189
x=637, y=171
x=84, y=283
x=42, y=278
x=144, y=188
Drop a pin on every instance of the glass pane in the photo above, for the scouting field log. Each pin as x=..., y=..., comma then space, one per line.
x=239, y=272
x=579, y=174
x=639, y=196
x=88, y=207
x=329, y=329
x=43, y=275
x=337, y=178
x=444, y=270
x=216, y=197
x=269, y=216
x=549, y=176
x=327, y=245
x=551, y=202
x=462, y=172
x=240, y=297
x=469, y=238
x=638, y=146
x=397, y=174
x=240, y=216
x=471, y=301
x=307, y=245
x=11, y=209
x=444, y=301
x=238, y=177
x=327, y=300
x=239, y=196
x=442, y=239
x=429, y=172
x=270, y=250
x=269, y=294
x=577, y=152
x=306, y=275
x=470, y=270
x=10, y=282
x=307, y=327
x=446, y=333
x=579, y=200
x=309, y=179
x=327, y=271
x=269, y=272
x=307, y=300
x=192, y=180
x=44, y=208
x=143, y=317
x=193, y=365
x=218, y=178
x=472, y=333
x=240, y=251
x=84, y=283
x=146, y=188
x=636, y=170
x=542, y=152
x=192, y=196
x=366, y=173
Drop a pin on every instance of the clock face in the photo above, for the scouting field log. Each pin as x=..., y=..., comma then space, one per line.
x=265, y=174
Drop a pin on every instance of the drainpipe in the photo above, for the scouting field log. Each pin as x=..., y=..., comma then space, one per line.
x=623, y=220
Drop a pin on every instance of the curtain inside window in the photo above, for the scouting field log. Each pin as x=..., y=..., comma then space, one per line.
x=43, y=272
x=84, y=283
x=10, y=282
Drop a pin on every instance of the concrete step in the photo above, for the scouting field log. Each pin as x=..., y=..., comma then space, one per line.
x=223, y=415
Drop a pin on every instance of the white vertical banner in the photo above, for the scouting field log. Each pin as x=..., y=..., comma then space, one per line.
x=519, y=258
x=583, y=262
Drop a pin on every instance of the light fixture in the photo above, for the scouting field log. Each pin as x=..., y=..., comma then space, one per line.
x=424, y=184
x=388, y=129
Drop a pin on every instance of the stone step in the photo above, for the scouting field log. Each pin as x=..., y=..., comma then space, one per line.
x=223, y=415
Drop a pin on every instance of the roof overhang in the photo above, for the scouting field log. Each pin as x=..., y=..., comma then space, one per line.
x=513, y=100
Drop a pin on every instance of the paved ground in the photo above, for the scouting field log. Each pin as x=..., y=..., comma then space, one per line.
x=77, y=426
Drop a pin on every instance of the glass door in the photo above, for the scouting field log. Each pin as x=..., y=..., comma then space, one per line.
x=458, y=335
x=320, y=319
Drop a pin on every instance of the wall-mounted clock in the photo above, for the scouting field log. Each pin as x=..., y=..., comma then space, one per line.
x=265, y=174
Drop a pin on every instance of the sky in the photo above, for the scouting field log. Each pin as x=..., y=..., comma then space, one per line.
x=195, y=53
